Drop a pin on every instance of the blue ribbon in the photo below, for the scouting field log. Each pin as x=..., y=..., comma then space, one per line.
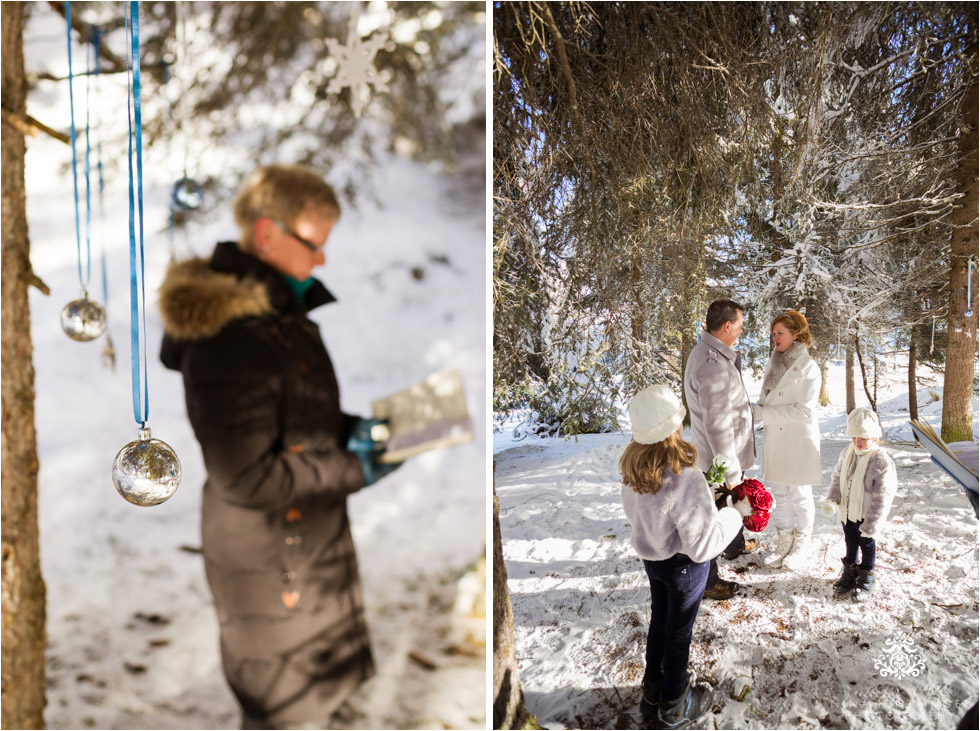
x=97, y=50
x=137, y=316
x=88, y=165
x=82, y=278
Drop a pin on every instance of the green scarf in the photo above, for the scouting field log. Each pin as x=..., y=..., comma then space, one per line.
x=300, y=287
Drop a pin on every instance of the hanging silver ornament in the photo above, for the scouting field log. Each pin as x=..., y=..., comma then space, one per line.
x=186, y=195
x=83, y=319
x=147, y=471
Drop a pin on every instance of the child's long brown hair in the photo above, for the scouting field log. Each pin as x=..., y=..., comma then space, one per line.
x=642, y=465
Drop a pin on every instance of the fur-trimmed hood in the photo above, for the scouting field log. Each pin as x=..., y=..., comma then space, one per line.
x=197, y=302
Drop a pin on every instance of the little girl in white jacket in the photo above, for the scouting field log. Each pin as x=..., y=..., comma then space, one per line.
x=676, y=530
x=862, y=489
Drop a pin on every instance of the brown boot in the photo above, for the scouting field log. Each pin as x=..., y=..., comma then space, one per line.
x=721, y=589
x=750, y=545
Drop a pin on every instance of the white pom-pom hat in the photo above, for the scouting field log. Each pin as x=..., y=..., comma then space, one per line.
x=655, y=414
x=863, y=423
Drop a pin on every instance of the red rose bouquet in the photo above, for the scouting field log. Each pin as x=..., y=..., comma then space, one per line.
x=759, y=499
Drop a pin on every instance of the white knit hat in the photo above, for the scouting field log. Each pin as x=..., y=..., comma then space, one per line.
x=863, y=423
x=655, y=414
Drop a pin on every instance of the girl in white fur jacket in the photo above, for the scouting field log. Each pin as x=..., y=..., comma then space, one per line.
x=676, y=530
x=862, y=489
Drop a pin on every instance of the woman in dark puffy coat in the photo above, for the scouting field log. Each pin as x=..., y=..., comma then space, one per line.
x=264, y=403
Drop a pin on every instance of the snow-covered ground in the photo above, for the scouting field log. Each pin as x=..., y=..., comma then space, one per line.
x=133, y=640
x=581, y=598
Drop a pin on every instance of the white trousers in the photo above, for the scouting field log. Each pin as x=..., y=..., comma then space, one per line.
x=793, y=507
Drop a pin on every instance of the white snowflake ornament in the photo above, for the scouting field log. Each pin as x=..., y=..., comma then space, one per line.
x=355, y=66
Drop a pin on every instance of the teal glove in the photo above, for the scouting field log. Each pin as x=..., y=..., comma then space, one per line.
x=375, y=470
x=360, y=435
x=369, y=450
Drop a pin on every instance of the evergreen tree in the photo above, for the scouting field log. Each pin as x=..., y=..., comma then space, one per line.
x=23, y=587
x=794, y=155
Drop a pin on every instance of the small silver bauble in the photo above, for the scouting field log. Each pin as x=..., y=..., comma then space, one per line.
x=147, y=471
x=83, y=319
x=186, y=195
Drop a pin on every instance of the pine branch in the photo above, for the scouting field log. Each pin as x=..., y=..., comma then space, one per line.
x=85, y=31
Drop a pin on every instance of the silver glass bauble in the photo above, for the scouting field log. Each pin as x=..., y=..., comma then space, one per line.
x=147, y=471
x=83, y=319
x=186, y=195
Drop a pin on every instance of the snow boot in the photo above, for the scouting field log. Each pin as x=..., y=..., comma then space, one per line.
x=845, y=584
x=685, y=711
x=798, y=554
x=649, y=702
x=650, y=699
x=784, y=544
x=864, y=585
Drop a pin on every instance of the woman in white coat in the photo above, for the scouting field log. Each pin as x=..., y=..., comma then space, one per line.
x=791, y=439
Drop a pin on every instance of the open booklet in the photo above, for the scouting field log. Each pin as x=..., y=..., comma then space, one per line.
x=428, y=415
x=957, y=459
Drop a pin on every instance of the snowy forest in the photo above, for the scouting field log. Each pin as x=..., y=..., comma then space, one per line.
x=649, y=158
x=107, y=617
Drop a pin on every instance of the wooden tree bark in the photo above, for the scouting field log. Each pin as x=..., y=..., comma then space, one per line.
x=962, y=331
x=824, y=398
x=509, y=711
x=872, y=398
x=687, y=345
x=913, y=396
x=23, y=587
x=849, y=379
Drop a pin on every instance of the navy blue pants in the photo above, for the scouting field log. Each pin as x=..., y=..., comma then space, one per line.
x=854, y=540
x=676, y=587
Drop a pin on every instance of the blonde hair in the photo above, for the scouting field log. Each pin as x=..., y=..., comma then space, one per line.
x=796, y=323
x=280, y=192
x=642, y=465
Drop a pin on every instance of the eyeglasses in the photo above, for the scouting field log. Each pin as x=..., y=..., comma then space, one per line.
x=305, y=242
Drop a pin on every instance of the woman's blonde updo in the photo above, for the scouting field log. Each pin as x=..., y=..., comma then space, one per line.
x=796, y=323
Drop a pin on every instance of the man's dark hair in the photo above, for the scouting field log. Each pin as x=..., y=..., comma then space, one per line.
x=720, y=312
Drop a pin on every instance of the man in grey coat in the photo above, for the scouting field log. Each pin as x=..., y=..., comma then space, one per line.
x=721, y=414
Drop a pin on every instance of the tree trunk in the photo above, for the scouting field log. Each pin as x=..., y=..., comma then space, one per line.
x=23, y=587
x=849, y=379
x=874, y=362
x=509, y=711
x=688, y=342
x=824, y=399
x=962, y=332
x=864, y=376
x=913, y=396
